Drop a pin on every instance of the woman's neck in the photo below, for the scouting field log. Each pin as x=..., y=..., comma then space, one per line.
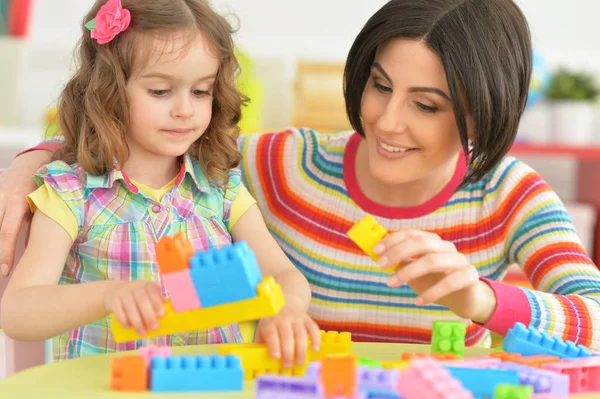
x=410, y=194
x=152, y=171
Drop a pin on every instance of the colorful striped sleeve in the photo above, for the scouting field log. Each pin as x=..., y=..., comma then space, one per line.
x=541, y=239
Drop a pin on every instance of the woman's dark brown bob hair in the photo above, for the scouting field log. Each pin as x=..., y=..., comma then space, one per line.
x=485, y=47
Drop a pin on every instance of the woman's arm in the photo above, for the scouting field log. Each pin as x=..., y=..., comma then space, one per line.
x=34, y=306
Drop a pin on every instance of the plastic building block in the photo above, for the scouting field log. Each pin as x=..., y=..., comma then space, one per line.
x=196, y=373
x=173, y=253
x=366, y=234
x=505, y=356
x=428, y=379
x=378, y=380
x=366, y=362
x=482, y=382
x=152, y=350
x=129, y=373
x=448, y=337
x=506, y=391
x=474, y=362
x=422, y=355
x=536, y=360
x=396, y=364
x=333, y=343
x=584, y=374
x=276, y=386
x=528, y=341
x=338, y=376
x=542, y=381
x=268, y=302
x=223, y=275
x=256, y=360
x=181, y=291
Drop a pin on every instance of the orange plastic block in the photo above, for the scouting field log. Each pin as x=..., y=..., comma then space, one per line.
x=366, y=234
x=338, y=376
x=505, y=356
x=267, y=303
x=129, y=373
x=173, y=253
x=421, y=355
x=536, y=360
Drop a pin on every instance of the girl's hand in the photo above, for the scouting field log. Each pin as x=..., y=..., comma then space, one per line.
x=136, y=304
x=286, y=336
x=437, y=272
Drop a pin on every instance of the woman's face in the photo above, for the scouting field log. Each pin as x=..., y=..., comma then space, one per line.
x=409, y=124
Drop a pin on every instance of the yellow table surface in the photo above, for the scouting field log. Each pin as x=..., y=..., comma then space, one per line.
x=89, y=377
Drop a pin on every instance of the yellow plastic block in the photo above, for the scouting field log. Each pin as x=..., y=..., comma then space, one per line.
x=257, y=361
x=366, y=234
x=333, y=343
x=396, y=364
x=268, y=302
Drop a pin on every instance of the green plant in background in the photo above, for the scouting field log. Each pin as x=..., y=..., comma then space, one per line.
x=573, y=86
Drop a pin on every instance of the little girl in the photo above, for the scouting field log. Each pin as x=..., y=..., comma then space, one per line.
x=149, y=122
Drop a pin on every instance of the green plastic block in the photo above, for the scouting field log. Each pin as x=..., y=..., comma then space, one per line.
x=507, y=391
x=366, y=362
x=448, y=337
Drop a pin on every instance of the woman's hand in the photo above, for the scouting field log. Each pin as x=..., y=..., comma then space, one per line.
x=437, y=272
x=286, y=336
x=136, y=304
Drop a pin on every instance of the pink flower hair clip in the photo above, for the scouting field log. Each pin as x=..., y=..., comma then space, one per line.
x=111, y=20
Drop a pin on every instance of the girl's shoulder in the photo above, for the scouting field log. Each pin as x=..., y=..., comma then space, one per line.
x=62, y=176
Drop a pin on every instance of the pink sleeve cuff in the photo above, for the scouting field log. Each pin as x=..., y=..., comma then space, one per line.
x=52, y=147
x=512, y=306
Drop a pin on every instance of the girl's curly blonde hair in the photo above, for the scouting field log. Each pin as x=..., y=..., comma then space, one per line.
x=93, y=110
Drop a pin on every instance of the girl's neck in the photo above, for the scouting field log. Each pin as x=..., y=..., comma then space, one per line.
x=410, y=194
x=152, y=171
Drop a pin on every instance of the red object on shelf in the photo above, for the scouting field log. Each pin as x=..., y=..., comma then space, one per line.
x=18, y=17
x=583, y=153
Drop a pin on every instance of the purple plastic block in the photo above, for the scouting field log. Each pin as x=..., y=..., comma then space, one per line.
x=378, y=379
x=543, y=381
x=277, y=386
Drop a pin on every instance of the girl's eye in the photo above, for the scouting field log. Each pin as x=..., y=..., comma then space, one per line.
x=381, y=88
x=159, y=93
x=426, y=108
x=201, y=93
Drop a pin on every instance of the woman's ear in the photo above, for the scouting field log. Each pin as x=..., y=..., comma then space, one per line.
x=470, y=128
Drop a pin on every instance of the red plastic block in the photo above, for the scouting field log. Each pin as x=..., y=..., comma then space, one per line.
x=584, y=374
x=505, y=356
x=129, y=373
x=428, y=379
x=338, y=376
x=181, y=291
x=173, y=253
x=152, y=350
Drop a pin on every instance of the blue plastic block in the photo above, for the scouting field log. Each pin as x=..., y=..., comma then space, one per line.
x=542, y=381
x=278, y=386
x=223, y=275
x=482, y=382
x=528, y=341
x=196, y=373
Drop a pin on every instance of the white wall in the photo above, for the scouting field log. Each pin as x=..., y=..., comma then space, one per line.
x=281, y=31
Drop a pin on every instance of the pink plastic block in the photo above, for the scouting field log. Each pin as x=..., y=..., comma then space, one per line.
x=474, y=362
x=584, y=374
x=427, y=379
x=181, y=290
x=152, y=350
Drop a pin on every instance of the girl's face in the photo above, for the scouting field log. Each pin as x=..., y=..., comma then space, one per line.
x=409, y=124
x=170, y=99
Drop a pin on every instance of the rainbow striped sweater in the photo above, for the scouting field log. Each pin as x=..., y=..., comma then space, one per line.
x=305, y=185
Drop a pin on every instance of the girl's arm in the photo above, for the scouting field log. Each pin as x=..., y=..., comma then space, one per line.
x=34, y=306
x=271, y=258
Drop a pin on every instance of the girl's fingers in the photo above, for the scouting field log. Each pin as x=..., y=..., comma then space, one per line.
x=454, y=282
x=432, y=263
